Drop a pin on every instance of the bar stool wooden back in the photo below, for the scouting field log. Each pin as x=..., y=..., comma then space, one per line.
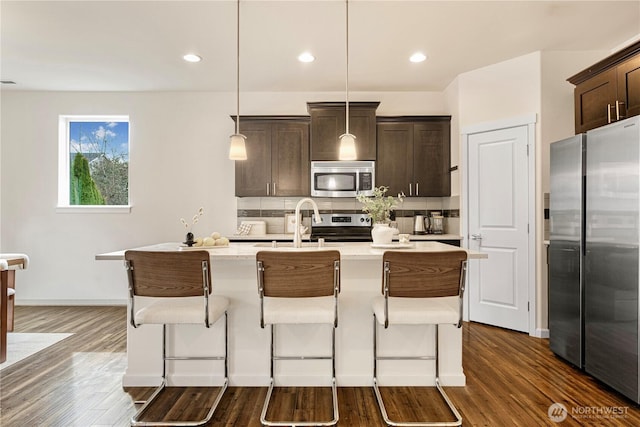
x=299, y=288
x=180, y=283
x=419, y=288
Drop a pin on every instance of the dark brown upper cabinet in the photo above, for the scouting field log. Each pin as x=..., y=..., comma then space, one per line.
x=608, y=91
x=328, y=123
x=414, y=155
x=277, y=157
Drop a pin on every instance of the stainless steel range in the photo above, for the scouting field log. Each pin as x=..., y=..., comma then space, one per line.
x=342, y=227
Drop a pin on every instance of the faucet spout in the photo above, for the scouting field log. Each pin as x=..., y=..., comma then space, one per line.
x=297, y=236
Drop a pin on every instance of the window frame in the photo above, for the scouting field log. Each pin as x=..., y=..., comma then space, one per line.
x=63, y=205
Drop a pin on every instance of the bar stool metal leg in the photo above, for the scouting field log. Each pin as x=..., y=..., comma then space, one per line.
x=334, y=390
x=135, y=420
x=385, y=416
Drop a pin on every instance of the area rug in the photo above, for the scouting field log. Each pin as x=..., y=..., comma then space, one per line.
x=23, y=345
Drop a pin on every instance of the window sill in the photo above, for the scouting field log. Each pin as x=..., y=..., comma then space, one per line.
x=94, y=209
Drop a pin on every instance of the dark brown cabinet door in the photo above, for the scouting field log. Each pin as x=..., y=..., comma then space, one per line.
x=595, y=101
x=277, y=158
x=629, y=87
x=328, y=123
x=362, y=124
x=394, y=167
x=254, y=174
x=290, y=159
x=414, y=155
x=431, y=159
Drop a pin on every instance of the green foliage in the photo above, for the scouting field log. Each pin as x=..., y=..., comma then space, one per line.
x=379, y=206
x=111, y=175
x=83, y=188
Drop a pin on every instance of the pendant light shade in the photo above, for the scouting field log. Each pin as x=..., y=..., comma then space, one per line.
x=347, y=149
x=237, y=148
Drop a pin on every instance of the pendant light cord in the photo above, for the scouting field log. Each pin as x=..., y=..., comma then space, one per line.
x=238, y=67
x=347, y=79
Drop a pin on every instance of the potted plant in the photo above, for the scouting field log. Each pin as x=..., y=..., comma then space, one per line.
x=379, y=208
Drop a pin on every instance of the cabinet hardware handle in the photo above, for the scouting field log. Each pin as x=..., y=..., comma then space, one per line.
x=476, y=237
x=274, y=188
x=267, y=188
x=608, y=113
x=417, y=189
x=410, y=192
x=618, y=116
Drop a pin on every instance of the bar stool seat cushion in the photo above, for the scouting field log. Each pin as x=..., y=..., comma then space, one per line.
x=413, y=311
x=5, y=256
x=299, y=310
x=187, y=310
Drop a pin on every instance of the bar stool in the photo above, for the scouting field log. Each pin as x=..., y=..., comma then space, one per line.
x=419, y=288
x=299, y=288
x=180, y=282
x=17, y=261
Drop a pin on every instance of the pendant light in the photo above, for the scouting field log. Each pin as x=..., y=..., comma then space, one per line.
x=237, y=148
x=347, y=141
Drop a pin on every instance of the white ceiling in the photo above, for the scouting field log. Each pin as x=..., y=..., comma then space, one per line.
x=138, y=45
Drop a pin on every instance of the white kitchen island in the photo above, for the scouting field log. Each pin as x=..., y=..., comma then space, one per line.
x=234, y=276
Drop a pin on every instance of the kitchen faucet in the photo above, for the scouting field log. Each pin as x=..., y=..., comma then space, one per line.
x=297, y=236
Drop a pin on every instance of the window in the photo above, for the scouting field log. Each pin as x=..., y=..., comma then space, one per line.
x=93, y=163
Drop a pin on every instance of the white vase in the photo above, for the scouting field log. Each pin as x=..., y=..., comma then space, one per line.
x=382, y=234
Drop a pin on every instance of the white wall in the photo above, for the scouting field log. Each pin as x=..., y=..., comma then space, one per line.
x=178, y=163
x=506, y=89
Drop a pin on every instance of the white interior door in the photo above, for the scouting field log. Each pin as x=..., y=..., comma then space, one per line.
x=498, y=225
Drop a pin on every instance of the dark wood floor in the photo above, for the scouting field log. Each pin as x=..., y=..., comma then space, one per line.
x=512, y=379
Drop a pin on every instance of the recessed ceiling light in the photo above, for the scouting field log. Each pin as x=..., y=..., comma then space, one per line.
x=306, y=57
x=418, y=57
x=192, y=57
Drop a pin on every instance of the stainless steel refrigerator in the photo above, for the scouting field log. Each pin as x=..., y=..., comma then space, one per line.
x=593, y=254
x=566, y=247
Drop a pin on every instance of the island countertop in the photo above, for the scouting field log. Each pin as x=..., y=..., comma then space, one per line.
x=348, y=250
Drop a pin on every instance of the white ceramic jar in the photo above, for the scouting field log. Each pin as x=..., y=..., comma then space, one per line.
x=382, y=234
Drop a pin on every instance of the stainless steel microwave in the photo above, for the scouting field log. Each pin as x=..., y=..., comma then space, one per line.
x=342, y=179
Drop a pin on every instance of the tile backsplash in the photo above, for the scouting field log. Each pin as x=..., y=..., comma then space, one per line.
x=273, y=209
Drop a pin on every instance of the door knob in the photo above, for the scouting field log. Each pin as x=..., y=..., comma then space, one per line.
x=476, y=237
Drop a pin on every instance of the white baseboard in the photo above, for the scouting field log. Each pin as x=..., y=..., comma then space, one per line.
x=541, y=333
x=72, y=302
x=293, y=381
